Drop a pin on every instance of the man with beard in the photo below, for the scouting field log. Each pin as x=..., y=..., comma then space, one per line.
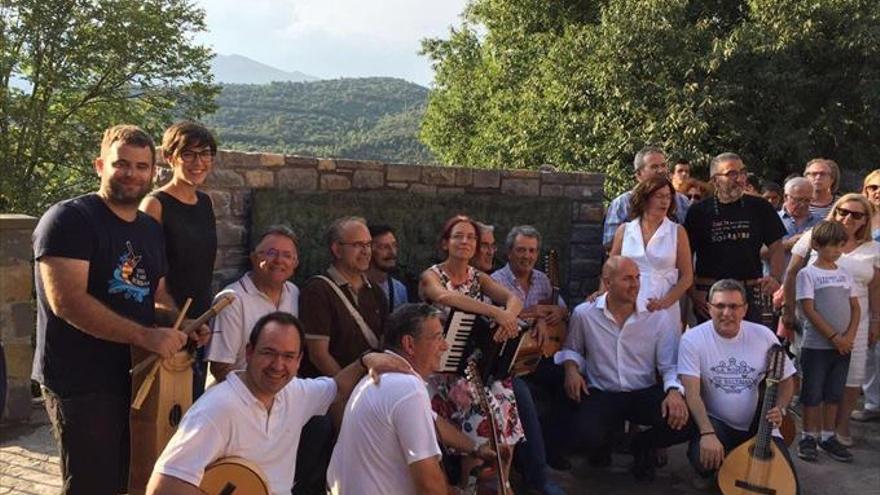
x=383, y=262
x=100, y=267
x=726, y=235
x=263, y=290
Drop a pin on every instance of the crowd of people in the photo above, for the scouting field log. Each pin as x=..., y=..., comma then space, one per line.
x=336, y=386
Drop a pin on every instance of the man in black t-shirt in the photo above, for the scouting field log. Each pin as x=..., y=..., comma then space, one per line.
x=99, y=274
x=726, y=234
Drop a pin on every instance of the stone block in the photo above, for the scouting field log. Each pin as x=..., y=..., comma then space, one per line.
x=552, y=190
x=228, y=159
x=251, y=159
x=335, y=182
x=15, y=244
x=521, y=174
x=230, y=233
x=225, y=276
x=368, y=179
x=326, y=165
x=360, y=164
x=450, y=190
x=23, y=321
x=222, y=201
x=298, y=179
x=587, y=212
x=224, y=178
x=19, y=359
x=233, y=256
x=587, y=252
x=259, y=178
x=300, y=161
x=397, y=185
x=271, y=159
x=16, y=281
x=404, y=173
x=520, y=187
x=16, y=221
x=586, y=234
x=464, y=177
x=440, y=176
x=241, y=203
x=579, y=192
x=423, y=189
x=18, y=401
x=562, y=178
x=487, y=179
x=583, y=269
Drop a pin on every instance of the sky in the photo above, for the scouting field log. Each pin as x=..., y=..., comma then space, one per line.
x=332, y=38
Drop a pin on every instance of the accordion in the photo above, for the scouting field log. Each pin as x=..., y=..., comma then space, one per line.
x=469, y=338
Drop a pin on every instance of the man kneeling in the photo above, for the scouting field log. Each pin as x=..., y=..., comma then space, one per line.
x=256, y=414
x=387, y=443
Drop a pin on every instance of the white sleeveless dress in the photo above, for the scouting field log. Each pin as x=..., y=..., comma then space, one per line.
x=656, y=261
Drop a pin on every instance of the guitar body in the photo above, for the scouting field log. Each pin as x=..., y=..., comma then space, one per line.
x=743, y=474
x=234, y=476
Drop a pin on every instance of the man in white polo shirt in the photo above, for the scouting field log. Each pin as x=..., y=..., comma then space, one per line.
x=258, y=413
x=387, y=443
x=261, y=291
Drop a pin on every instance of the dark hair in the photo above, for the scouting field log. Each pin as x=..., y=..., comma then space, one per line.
x=282, y=230
x=754, y=181
x=407, y=319
x=282, y=318
x=828, y=233
x=644, y=190
x=682, y=161
x=450, y=224
x=770, y=186
x=380, y=229
x=128, y=134
x=183, y=135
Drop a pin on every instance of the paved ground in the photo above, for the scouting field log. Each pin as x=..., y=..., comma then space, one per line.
x=29, y=466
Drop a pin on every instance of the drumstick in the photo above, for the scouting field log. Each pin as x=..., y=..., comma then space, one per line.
x=151, y=376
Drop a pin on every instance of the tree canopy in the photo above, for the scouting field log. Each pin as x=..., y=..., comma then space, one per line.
x=583, y=84
x=71, y=68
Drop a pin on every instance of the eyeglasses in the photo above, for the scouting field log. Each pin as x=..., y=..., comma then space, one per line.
x=488, y=247
x=273, y=253
x=191, y=155
x=722, y=307
x=802, y=201
x=734, y=174
x=843, y=213
x=362, y=245
x=817, y=174
x=695, y=197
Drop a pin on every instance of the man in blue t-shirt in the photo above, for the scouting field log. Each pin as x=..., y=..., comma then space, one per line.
x=99, y=271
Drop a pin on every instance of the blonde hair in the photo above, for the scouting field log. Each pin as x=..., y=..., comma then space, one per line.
x=872, y=176
x=864, y=232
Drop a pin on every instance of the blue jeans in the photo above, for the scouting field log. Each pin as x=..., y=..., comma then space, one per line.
x=530, y=456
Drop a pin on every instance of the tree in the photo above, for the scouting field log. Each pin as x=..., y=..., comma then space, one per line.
x=71, y=68
x=585, y=84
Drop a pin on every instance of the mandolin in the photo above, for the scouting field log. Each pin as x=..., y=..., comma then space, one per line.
x=472, y=373
x=758, y=466
x=555, y=333
x=234, y=476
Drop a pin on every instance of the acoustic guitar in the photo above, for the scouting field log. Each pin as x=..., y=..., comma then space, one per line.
x=555, y=333
x=472, y=373
x=758, y=466
x=234, y=476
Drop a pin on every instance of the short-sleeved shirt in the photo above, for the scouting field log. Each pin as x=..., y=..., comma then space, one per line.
x=392, y=426
x=830, y=291
x=792, y=228
x=325, y=316
x=540, y=288
x=727, y=237
x=126, y=261
x=730, y=369
x=232, y=327
x=229, y=421
x=618, y=213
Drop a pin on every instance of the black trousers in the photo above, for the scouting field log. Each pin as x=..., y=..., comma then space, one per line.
x=313, y=457
x=93, y=439
x=601, y=414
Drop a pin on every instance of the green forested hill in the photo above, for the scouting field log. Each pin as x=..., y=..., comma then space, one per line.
x=369, y=118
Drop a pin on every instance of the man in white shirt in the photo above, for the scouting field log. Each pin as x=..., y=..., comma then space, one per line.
x=388, y=441
x=612, y=355
x=721, y=363
x=263, y=290
x=258, y=413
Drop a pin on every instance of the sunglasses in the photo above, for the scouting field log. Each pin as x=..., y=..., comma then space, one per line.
x=843, y=213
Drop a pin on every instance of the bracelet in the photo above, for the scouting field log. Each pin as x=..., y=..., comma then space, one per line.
x=361, y=359
x=704, y=433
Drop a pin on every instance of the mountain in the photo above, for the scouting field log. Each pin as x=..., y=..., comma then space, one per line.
x=374, y=118
x=238, y=69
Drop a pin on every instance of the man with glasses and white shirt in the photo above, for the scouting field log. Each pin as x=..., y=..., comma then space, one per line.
x=726, y=234
x=824, y=174
x=263, y=290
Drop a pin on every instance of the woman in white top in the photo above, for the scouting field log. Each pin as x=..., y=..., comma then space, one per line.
x=861, y=259
x=659, y=246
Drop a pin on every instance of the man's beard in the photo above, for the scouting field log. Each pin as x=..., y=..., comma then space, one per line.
x=118, y=195
x=386, y=267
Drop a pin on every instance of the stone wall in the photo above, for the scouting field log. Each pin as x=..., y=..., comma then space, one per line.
x=17, y=311
x=238, y=174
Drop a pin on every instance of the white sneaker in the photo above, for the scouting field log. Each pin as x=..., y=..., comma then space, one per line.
x=865, y=414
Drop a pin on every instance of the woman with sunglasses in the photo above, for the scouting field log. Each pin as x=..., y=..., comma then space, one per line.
x=861, y=259
x=187, y=218
x=453, y=283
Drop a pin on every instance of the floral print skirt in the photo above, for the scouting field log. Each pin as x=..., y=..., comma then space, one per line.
x=454, y=399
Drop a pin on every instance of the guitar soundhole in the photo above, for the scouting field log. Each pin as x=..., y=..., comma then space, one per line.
x=175, y=414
